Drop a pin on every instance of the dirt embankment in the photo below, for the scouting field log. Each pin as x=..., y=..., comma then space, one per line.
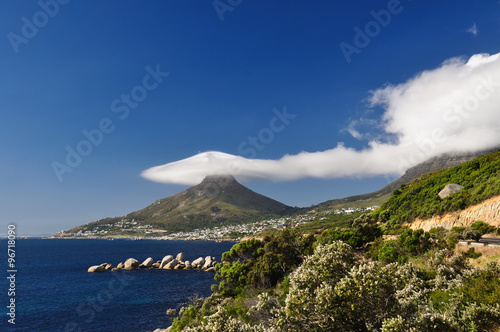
x=487, y=211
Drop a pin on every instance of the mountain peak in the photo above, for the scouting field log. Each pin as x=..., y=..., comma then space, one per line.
x=219, y=178
x=212, y=184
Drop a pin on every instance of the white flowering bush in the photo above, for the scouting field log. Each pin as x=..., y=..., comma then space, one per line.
x=221, y=321
x=450, y=272
x=332, y=290
x=397, y=324
x=370, y=294
x=413, y=294
x=265, y=309
x=308, y=303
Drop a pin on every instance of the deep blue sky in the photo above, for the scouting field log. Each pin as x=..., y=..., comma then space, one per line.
x=225, y=78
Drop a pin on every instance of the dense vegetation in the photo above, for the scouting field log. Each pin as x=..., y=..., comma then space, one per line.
x=332, y=220
x=292, y=282
x=261, y=264
x=419, y=199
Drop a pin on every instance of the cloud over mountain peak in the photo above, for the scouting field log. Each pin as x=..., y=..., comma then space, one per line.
x=450, y=109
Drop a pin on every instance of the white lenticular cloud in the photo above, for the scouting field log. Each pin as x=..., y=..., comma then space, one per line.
x=454, y=108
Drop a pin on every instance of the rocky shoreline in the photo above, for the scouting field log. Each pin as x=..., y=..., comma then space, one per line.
x=167, y=263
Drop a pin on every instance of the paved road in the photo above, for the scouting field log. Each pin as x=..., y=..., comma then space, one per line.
x=490, y=240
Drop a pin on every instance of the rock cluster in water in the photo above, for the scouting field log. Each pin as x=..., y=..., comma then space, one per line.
x=167, y=263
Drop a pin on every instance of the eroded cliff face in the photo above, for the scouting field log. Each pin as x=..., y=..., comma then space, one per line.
x=487, y=211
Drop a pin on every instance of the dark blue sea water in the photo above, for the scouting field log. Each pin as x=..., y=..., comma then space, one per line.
x=54, y=291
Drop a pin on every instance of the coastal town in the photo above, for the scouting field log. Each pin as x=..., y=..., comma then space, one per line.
x=132, y=228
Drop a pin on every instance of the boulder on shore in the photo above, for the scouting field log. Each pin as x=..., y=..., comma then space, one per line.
x=131, y=264
x=168, y=263
x=171, y=265
x=107, y=266
x=199, y=262
x=147, y=263
x=209, y=262
x=96, y=268
x=180, y=266
x=167, y=259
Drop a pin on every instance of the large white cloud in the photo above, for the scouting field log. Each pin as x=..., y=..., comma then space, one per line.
x=451, y=109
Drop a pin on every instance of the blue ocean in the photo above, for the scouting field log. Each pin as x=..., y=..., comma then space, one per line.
x=54, y=291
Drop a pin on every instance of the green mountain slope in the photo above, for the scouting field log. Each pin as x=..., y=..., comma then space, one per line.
x=382, y=195
x=419, y=198
x=216, y=201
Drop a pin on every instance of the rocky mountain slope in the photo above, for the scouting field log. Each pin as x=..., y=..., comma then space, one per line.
x=487, y=211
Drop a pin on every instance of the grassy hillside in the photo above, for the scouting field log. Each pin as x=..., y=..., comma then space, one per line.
x=419, y=199
x=361, y=201
x=380, y=196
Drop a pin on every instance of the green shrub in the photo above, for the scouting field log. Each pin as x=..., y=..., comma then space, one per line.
x=483, y=289
x=186, y=318
x=458, y=229
x=414, y=242
x=482, y=227
x=361, y=231
x=389, y=252
x=261, y=264
x=452, y=239
x=471, y=253
x=471, y=234
x=375, y=248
